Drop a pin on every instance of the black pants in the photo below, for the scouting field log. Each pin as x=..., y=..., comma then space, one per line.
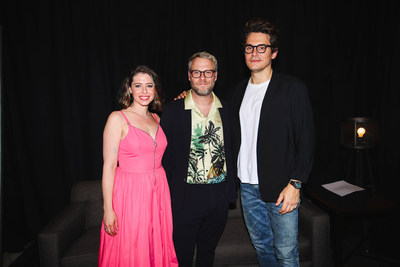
x=200, y=223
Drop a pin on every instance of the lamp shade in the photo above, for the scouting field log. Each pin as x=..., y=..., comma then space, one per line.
x=359, y=133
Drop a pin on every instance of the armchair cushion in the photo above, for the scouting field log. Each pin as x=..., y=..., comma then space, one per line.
x=83, y=252
x=57, y=235
x=235, y=245
x=91, y=193
x=315, y=226
x=72, y=238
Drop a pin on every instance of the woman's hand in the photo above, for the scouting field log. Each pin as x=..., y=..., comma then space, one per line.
x=110, y=222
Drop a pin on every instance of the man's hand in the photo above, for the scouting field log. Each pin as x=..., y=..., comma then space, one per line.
x=290, y=197
x=182, y=95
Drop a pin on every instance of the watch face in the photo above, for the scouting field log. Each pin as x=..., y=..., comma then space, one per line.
x=297, y=185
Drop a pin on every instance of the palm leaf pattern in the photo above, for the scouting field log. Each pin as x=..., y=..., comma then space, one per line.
x=208, y=141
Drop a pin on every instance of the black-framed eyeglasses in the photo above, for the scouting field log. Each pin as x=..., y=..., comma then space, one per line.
x=248, y=49
x=206, y=73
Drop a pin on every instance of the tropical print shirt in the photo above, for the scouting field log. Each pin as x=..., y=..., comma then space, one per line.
x=207, y=151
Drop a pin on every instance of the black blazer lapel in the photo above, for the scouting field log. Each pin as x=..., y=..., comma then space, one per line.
x=271, y=91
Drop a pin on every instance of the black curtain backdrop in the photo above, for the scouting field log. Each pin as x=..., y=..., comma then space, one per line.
x=64, y=61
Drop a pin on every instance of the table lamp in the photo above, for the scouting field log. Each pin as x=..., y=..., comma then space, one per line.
x=360, y=134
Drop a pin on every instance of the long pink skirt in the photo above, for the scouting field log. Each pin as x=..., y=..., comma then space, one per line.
x=143, y=207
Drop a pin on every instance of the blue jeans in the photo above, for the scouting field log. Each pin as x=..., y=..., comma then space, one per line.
x=274, y=236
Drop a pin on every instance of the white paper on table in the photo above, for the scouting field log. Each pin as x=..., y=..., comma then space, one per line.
x=342, y=188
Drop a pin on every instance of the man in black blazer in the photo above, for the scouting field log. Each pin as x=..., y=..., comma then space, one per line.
x=198, y=164
x=273, y=143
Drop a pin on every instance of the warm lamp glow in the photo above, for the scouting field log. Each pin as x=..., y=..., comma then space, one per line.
x=360, y=132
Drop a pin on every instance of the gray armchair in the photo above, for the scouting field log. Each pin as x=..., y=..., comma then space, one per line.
x=72, y=238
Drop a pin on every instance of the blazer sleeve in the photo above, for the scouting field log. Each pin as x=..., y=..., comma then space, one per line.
x=304, y=135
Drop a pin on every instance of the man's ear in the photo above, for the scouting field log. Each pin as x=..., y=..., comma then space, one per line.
x=274, y=54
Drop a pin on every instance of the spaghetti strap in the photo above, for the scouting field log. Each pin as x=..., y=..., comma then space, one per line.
x=123, y=114
x=155, y=117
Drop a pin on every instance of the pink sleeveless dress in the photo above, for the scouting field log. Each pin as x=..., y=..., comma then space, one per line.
x=142, y=203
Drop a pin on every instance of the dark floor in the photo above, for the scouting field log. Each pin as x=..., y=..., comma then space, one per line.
x=372, y=243
x=362, y=258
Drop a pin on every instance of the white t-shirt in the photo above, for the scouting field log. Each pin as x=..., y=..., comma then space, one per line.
x=249, y=114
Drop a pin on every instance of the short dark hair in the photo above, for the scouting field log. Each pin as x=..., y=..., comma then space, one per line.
x=261, y=25
x=124, y=97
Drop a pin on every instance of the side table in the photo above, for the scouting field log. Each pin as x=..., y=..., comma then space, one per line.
x=359, y=205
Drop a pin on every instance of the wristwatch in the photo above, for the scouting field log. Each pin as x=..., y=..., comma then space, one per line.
x=295, y=183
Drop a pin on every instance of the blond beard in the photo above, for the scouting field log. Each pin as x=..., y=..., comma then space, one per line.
x=203, y=92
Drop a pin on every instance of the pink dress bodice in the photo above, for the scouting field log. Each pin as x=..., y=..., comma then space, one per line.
x=138, y=148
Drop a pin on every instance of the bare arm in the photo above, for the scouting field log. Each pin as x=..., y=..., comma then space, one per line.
x=112, y=134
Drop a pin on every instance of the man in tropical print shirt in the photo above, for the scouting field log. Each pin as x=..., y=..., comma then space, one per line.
x=198, y=164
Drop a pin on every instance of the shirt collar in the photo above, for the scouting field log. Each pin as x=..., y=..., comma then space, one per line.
x=189, y=103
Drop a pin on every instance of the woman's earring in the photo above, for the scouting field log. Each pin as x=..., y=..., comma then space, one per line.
x=130, y=99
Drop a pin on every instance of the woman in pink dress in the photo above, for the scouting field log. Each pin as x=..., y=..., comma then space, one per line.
x=137, y=222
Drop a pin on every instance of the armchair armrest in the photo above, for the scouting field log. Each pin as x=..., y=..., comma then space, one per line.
x=314, y=224
x=60, y=232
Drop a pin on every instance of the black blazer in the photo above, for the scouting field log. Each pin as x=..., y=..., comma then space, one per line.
x=285, y=142
x=176, y=123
